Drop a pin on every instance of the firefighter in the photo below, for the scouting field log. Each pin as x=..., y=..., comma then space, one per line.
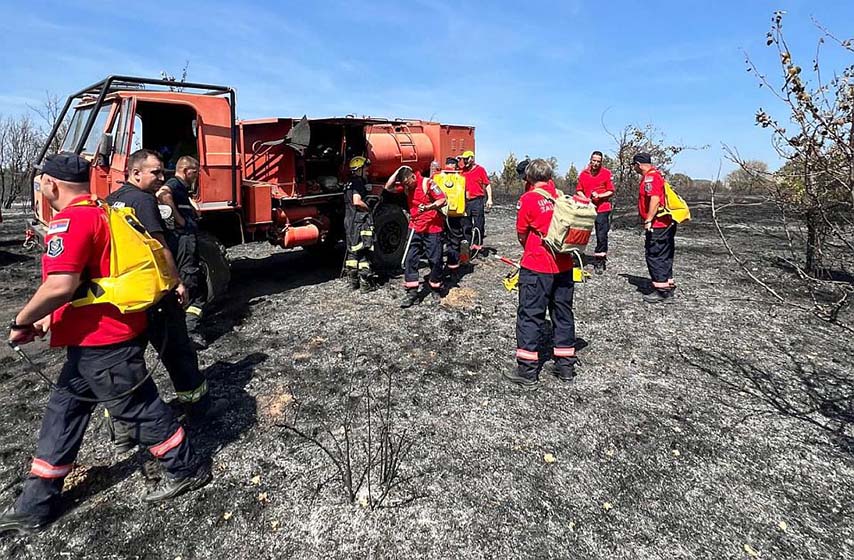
x=359, y=226
x=660, y=244
x=167, y=323
x=596, y=184
x=184, y=240
x=520, y=170
x=545, y=284
x=435, y=169
x=478, y=199
x=458, y=245
x=104, y=356
x=426, y=225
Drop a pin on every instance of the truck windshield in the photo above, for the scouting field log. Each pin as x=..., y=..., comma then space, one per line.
x=78, y=123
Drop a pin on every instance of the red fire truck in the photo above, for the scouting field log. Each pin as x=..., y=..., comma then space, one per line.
x=279, y=179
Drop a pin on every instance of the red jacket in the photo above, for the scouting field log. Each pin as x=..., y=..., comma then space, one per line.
x=78, y=241
x=425, y=222
x=599, y=183
x=652, y=184
x=476, y=181
x=532, y=220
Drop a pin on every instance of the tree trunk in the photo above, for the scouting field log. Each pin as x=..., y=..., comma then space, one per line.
x=815, y=237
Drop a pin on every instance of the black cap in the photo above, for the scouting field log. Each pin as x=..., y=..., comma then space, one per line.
x=65, y=167
x=521, y=167
x=642, y=157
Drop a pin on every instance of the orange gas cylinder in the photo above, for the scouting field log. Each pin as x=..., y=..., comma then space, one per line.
x=393, y=145
x=300, y=236
x=308, y=232
x=294, y=214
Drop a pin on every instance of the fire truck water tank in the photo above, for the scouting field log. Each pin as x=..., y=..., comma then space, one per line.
x=391, y=145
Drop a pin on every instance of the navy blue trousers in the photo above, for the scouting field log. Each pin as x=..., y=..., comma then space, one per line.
x=540, y=292
x=100, y=372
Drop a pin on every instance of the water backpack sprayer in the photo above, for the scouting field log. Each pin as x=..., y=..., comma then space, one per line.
x=674, y=206
x=454, y=187
x=139, y=273
x=572, y=222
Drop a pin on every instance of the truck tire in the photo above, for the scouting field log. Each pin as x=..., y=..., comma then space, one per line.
x=391, y=228
x=215, y=265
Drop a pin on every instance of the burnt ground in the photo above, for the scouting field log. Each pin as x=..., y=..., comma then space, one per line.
x=715, y=428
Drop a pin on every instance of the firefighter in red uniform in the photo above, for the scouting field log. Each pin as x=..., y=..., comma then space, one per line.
x=105, y=356
x=545, y=283
x=478, y=199
x=455, y=227
x=596, y=184
x=660, y=243
x=427, y=225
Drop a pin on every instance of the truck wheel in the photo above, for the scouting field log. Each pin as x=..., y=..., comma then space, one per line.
x=391, y=228
x=215, y=264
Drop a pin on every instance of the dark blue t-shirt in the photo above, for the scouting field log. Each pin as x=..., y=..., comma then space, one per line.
x=181, y=196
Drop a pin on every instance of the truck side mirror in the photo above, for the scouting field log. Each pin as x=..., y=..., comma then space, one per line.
x=105, y=149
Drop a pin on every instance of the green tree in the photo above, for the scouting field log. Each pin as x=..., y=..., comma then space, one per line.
x=634, y=139
x=507, y=184
x=571, y=177
x=752, y=175
x=681, y=182
x=816, y=139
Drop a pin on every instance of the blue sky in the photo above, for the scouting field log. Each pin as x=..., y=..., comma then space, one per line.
x=534, y=77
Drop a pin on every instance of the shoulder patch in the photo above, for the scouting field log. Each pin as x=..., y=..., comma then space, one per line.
x=55, y=247
x=58, y=226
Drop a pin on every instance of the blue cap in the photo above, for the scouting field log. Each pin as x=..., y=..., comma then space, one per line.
x=65, y=167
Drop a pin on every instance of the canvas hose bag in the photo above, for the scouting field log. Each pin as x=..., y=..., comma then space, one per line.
x=572, y=222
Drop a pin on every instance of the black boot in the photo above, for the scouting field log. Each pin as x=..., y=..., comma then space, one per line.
x=598, y=265
x=354, y=279
x=173, y=487
x=565, y=371
x=366, y=284
x=23, y=523
x=521, y=376
x=122, y=434
x=659, y=296
x=410, y=299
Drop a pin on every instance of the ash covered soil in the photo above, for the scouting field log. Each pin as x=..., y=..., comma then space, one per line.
x=719, y=427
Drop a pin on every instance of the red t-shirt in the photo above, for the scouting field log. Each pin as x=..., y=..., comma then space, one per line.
x=78, y=241
x=652, y=184
x=425, y=222
x=599, y=183
x=476, y=181
x=532, y=219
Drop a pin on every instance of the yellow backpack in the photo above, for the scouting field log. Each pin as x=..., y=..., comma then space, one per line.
x=454, y=187
x=139, y=272
x=674, y=206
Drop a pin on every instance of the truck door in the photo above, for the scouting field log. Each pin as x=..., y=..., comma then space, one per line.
x=105, y=123
x=122, y=143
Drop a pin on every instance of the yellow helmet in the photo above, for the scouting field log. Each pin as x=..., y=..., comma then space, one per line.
x=468, y=154
x=358, y=162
